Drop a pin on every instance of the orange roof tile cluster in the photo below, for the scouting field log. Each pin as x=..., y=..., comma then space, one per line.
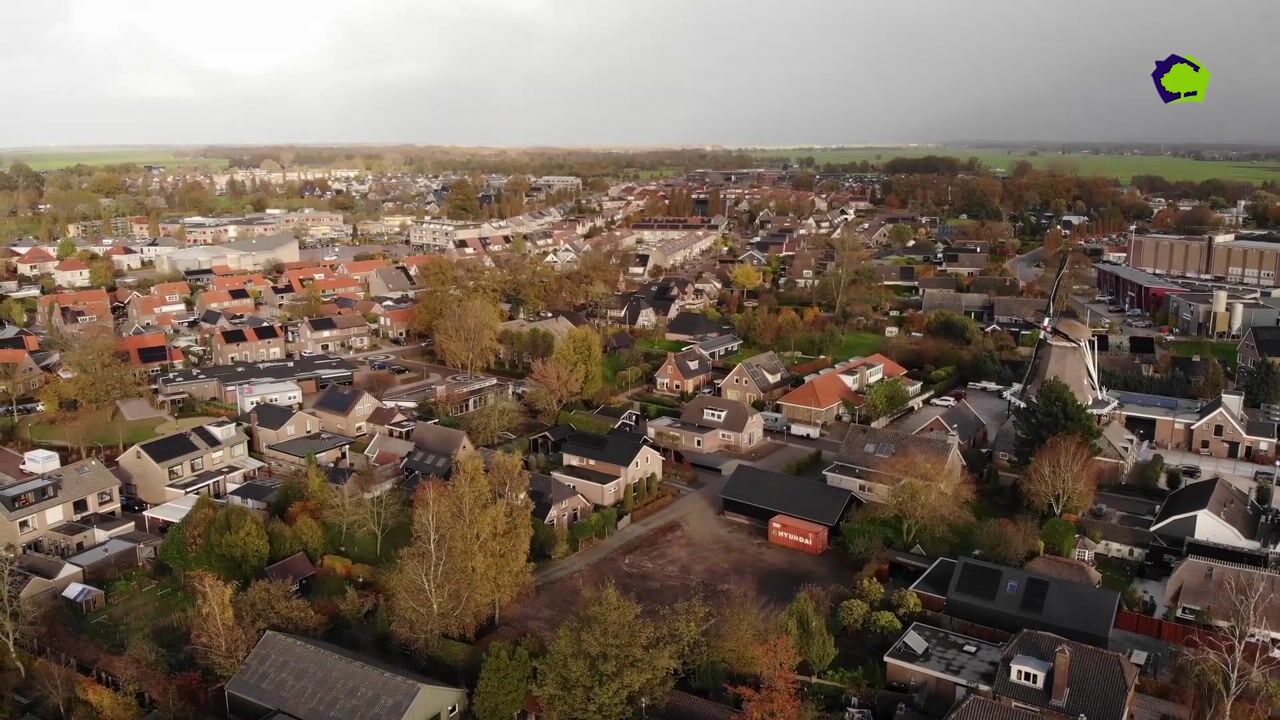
x=71, y=265
x=228, y=282
x=36, y=255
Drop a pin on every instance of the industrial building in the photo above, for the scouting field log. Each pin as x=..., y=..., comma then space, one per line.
x=1241, y=259
x=1134, y=288
x=1220, y=314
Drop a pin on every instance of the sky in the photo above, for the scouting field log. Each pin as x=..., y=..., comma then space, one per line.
x=609, y=73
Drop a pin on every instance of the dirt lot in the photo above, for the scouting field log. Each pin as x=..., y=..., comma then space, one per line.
x=703, y=553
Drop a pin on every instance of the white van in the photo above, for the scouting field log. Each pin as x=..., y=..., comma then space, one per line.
x=812, y=432
x=774, y=422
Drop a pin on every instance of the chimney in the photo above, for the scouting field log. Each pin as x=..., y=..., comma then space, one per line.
x=1061, y=676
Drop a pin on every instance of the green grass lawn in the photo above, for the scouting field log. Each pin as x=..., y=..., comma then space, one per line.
x=857, y=344
x=1116, y=575
x=361, y=547
x=49, y=429
x=663, y=345
x=58, y=159
x=1225, y=351
x=1123, y=167
x=137, y=604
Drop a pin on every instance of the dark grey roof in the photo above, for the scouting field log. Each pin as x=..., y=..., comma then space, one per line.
x=692, y=363
x=1009, y=598
x=322, y=323
x=312, y=680
x=338, y=399
x=967, y=660
x=786, y=494
x=619, y=448
x=308, y=444
x=1267, y=340
x=269, y=416
x=260, y=491
x=870, y=449
x=181, y=445
x=1099, y=680
x=547, y=492
x=976, y=707
x=323, y=367
x=937, y=578
x=695, y=324
x=1215, y=496
x=421, y=461
x=295, y=568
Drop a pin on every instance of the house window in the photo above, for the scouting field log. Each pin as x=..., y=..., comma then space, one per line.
x=1217, y=431
x=216, y=457
x=697, y=442
x=26, y=525
x=289, y=430
x=197, y=464
x=80, y=507
x=106, y=496
x=726, y=436
x=175, y=472
x=1027, y=677
x=237, y=450
x=1204, y=444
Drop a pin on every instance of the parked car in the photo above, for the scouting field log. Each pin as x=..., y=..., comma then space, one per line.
x=944, y=401
x=777, y=422
x=398, y=341
x=398, y=369
x=379, y=365
x=1102, y=299
x=1115, y=308
x=1190, y=472
x=958, y=394
x=132, y=504
x=1264, y=476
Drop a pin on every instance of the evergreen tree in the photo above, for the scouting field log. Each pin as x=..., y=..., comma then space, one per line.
x=504, y=682
x=1053, y=411
x=1263, y=385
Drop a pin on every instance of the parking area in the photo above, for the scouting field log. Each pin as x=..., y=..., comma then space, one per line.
x=1239, y=472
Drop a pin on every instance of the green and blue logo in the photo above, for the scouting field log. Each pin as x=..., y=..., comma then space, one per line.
x=1181, y=78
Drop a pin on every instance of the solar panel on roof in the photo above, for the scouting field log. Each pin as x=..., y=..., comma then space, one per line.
x=233, y=336
x=1036, y=593
x=168, y=448
x=979, y=581
x=915, y=643
x=153, y=354
x=266, y=332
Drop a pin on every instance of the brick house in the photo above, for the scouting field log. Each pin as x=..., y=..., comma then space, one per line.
x=344, y=410
x=200, y=461
x=710, y=425
x=17, y=367
x=600, y=467
x=760, y=378
x=33, y=505
x=75, y=311
x=263, y=342
x=683, y=372
x=236, y=301
x=328, y=334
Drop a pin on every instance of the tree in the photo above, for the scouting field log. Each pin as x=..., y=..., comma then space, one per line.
x=466, y=334
x=19, y=616
x=66, y=248
x=378, y=512
x=462, y=202
x=504, y=682
x=1060, y=478
x=1006, y=541
x=218, y=639
x=487, y=424
x=556, y=381
x=853, y=613
x=746, y=277
x=906, y=603
x=1263, y=385
x=778, y=694
x=808, y=631
x=869, y=590
x=582, y=350
x=608, y=658
x=468, y=555
x=272, y=605
x=1214, y=380
x=55, y=687
x=236, y=545
x=1173, y=478
x=953, y=326
x=102, y=272
x=927, y=499
x=1229, y=663
x=886, y=397
x=884, y=623
x=378, y=383
x=1058, y=536
x=105, y=703
x=744, y=624
x=101, y=376
x=901, y=234
x=1053, y=411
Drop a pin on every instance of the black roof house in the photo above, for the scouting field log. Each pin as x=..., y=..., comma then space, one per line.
x=760, y=494
x=615, y=448
x=1010, y=599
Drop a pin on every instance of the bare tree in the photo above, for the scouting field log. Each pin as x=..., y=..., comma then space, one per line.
x=55, y=685
x=1230, y=664
x=378, y=510
x=1061, y=476
x=18, y=616
x=217, y=638
x=927, y=497
x=555, y=382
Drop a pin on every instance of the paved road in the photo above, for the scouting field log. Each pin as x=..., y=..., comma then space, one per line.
x=1023, y=266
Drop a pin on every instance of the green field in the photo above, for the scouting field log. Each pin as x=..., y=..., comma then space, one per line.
x=1122, y=167
x=57, y=159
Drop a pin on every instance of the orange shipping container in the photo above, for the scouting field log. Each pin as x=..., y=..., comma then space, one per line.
x=798, y=534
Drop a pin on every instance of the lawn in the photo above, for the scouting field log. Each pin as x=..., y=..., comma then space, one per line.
x=1123, y=167
x=137, y=604
x=857, y=344
x=49, y=429
x=1224, y=351
x=57, y=159
x=663, y=345
x=361, y=546
x=1116, y=574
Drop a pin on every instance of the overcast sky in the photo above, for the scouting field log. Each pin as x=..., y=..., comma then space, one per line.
x=606, y=72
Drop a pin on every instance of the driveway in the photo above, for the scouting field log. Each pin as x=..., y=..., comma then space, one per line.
x=1238, y=472
x=990, y=406
x=1023, y=266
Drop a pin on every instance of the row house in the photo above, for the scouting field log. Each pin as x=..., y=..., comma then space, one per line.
x=246, y=344
x=37, y=506
x=330, y=334
x=75, y=311
x=236, y=301
x=19, y=373
x=150, y=354
x=199, y=461
x=166, y=303
x=272, y=423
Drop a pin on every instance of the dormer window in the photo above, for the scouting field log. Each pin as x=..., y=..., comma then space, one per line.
x=1029, y=671
x=713, y=414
